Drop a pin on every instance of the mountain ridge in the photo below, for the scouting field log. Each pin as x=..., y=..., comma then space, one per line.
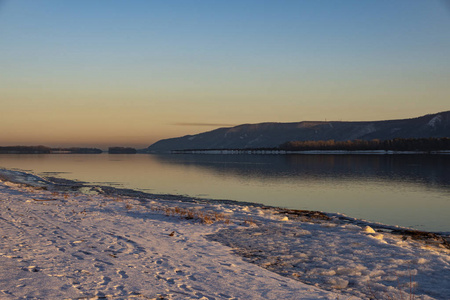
x=273, y=134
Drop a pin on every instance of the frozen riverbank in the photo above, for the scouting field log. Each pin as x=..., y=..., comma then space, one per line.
x=58, y=243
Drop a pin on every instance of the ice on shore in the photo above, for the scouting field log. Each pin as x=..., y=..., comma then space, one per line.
x=56, y=245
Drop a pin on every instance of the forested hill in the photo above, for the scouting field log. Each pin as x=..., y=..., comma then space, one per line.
x=271, y=135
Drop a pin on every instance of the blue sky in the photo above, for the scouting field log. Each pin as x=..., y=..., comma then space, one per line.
x=130, y=72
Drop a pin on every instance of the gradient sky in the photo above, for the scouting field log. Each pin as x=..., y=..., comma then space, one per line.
x=128, y=73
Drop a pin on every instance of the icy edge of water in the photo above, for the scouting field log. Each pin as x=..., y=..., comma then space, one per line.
x=24, y=178
x=62, y=184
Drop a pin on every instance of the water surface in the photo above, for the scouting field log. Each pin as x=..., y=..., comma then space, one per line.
x=405, y=190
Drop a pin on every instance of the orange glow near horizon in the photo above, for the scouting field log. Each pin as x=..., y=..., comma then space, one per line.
x=156, y=72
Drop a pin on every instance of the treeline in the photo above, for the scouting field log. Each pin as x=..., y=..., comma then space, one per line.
x=76, y=150
x=121, y=150
x=47, y=150
x=421, y=144
x=25, y=150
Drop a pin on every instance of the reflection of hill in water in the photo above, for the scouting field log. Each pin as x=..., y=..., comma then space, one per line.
x=432, y=170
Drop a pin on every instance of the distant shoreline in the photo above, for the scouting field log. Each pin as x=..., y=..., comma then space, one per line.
x=306, y=152
x=244, y=152
x=249, y=152
x=72, y=150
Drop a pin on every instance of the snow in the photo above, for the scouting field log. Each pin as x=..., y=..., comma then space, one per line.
x=436, y=119
x=56, y=244
x=342, y=258
x=368, y=229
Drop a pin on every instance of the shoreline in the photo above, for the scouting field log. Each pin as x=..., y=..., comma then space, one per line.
x=63, y=184
x=285, y=242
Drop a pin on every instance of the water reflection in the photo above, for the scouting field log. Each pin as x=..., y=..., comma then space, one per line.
x=430, y=170
x=405, y=190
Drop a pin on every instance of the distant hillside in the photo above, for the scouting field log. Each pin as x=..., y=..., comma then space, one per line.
x=270, y=135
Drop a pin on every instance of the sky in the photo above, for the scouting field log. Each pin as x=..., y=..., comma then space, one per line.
x=128, y=73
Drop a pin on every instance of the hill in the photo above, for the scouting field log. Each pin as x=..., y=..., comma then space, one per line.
x=270, y=135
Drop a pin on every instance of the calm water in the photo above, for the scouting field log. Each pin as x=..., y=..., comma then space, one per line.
x=406, y=190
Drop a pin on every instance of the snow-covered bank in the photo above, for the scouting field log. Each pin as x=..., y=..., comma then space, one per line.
x=56, y=246
x=60, y=244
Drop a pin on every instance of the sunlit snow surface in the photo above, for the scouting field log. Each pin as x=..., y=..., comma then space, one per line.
x=344, y=257
x=60, y=244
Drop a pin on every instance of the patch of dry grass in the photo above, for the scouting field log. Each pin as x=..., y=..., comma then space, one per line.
x=205, y=217
x=249, y=221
